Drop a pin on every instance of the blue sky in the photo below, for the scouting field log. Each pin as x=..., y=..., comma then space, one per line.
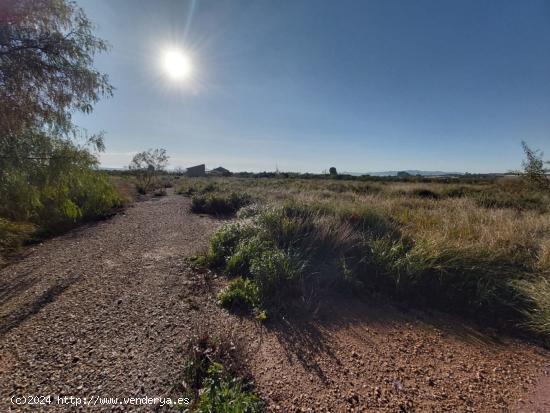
x=304, y=85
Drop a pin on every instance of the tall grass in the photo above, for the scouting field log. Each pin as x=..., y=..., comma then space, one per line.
x=434, y=245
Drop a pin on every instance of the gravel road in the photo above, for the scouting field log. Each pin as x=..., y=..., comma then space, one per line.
x=101, y=311
x=105, y=310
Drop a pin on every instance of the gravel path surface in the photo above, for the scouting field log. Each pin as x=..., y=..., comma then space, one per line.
x=106, y=309
x=101, y=310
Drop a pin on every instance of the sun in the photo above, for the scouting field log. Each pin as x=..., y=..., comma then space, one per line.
x=176, y=64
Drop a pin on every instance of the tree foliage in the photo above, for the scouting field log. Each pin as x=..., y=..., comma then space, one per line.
x=534, y=171
x=146, y=165
x=48, y=171
x=51, y=181
x=46, y=54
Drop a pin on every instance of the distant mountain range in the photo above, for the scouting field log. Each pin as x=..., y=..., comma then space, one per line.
x=409, y=171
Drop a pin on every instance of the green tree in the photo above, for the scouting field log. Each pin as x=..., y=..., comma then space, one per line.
x=534, y=171
x=48, y=168
x=147, y=165
x=46, y=54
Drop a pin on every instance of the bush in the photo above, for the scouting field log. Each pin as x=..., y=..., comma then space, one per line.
x=425, y=193
x=272, y=253
x=56, y=194
x=219, y=204
x=468, y=281
x=224, y=243
x=238, y=263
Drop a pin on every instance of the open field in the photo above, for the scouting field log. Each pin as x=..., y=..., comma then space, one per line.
x=300, y=206
x=481, y=250
x=113, y=309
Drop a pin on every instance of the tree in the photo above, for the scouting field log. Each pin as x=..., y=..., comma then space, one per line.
x=332, y=171
x=534, y=171
x=147, y=165
x=48, y=169
x=46, y=54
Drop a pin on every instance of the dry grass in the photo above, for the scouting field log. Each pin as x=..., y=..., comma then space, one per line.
x=483, y=247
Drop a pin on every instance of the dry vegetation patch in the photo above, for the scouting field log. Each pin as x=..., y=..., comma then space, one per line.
x=439, y=245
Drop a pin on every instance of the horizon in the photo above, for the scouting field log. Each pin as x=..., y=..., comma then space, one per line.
x=362, y=86
x=426, y=173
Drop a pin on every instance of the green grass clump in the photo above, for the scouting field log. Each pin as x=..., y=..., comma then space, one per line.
x=241, y=294
x=473, y=282
x=224, y=243
x=538, y=316
x=214, y=204
x=273, y=254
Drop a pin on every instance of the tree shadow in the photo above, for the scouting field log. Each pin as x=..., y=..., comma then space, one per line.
x=17, y=317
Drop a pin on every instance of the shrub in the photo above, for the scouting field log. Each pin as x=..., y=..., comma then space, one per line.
x=218, y=204
x=276, y=274
x=238, y=263
x=425, y=193
x=224, y=243
x=57, y=194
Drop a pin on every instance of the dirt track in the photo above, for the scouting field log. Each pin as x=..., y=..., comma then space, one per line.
x=105, y=310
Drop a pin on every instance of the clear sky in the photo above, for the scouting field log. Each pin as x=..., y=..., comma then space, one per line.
x=304, y=85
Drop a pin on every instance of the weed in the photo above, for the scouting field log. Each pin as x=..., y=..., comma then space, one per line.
x=213, y=387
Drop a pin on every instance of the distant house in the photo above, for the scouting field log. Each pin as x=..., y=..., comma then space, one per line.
x=195, y=171
x=220, y=171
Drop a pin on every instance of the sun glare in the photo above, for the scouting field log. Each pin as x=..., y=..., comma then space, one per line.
x=176, y=64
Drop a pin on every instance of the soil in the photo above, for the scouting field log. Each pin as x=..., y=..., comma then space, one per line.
x=107, y=309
